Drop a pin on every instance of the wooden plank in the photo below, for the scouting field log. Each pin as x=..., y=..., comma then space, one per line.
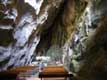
x=45, y=79
x=56, y=71
x=14, y=72
x=53, y=79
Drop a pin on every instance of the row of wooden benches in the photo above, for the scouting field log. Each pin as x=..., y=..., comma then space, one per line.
x=51, y=71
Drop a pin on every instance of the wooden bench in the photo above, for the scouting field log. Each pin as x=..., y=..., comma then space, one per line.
x=55, y=72
x=12, y=73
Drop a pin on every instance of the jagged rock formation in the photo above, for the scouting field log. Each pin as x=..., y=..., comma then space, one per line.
x=95, y=57
x=89, y=44
x=76, y=27
x=51, y=22
x=63, y=26
x=21, y=24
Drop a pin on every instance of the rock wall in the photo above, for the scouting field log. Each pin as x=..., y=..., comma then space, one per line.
x=30, y=28
x=21, y=24
x=88, y=46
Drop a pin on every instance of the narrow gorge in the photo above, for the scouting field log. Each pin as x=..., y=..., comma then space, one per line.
x=72, y=31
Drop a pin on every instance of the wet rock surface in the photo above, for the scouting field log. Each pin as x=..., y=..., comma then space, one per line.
x=21, y=23
x=88, y=45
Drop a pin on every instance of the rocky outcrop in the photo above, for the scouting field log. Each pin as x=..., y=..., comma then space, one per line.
x=63, y=26
x=89, y=45
x=33, y=27
x=21, y=24
x=74, y=30
x=95, y=58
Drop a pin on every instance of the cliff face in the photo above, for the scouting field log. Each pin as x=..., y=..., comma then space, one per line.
x=89, y=45
x=76, y=29
x=30, y=28
x=61, y=31
x=21, y=24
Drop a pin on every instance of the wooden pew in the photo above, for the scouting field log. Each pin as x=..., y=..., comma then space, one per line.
x=12, y=73
x=55, y=72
